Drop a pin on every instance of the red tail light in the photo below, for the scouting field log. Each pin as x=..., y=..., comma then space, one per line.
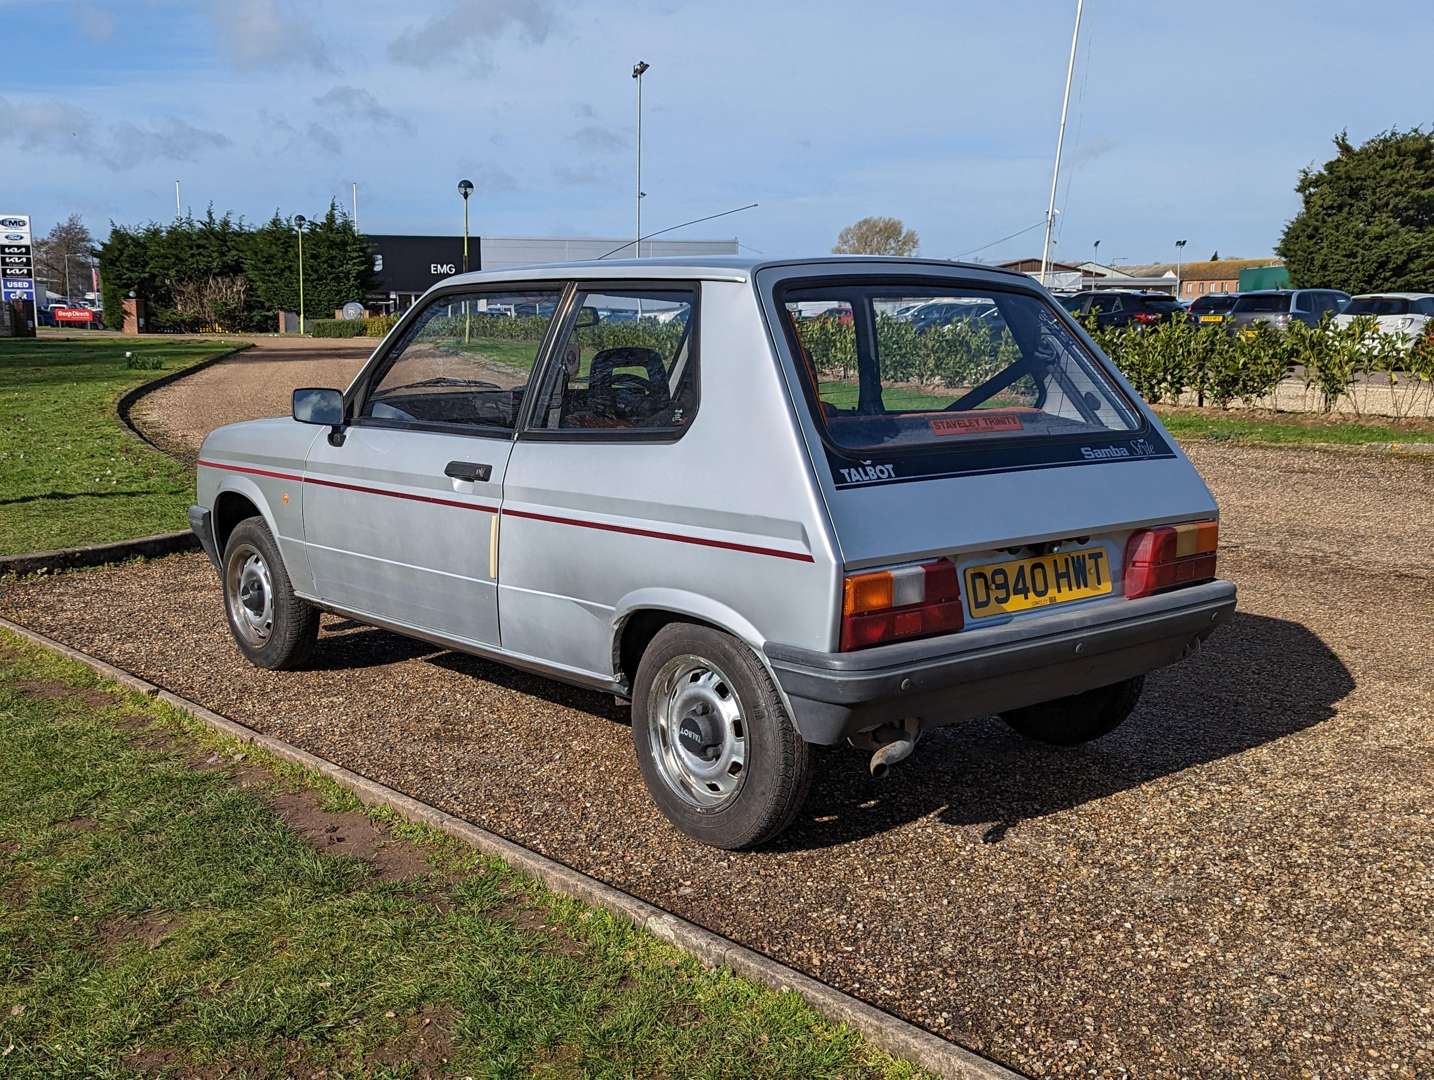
x=1146, y=318
x=1170, y=556
x=895, y=605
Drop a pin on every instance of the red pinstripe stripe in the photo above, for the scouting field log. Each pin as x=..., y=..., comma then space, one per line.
x=353, y=487
x=725, y=545
x=777, y=553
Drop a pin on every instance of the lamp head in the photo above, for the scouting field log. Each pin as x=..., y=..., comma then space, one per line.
x=465, y=188
x=300, y=221
x=639, y=67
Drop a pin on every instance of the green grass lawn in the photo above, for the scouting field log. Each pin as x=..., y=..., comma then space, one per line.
x=158, y=913
x=69, y=473
x=1278, y=429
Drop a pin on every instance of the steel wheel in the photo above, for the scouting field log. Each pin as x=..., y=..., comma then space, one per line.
x=249, y=592
x=698, y=732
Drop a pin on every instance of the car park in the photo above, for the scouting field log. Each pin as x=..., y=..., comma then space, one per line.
x=1211, y=308
x=1113, y=308
x=763, y=545
x=1407, y=314
x=1280, y=307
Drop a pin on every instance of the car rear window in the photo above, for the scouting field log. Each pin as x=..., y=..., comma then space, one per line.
x=1378, y=305
x=1004, y=365
x=1212, y=305
x=1263, y=304
x=1161, y=303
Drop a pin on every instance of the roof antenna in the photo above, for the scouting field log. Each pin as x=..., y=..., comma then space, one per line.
x=672, y=228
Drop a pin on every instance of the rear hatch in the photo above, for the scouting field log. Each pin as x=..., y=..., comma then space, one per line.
x=1272, y=308
x=1007, y=446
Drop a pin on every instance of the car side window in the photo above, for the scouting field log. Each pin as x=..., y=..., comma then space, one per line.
x=627, y=364
x=464, y=362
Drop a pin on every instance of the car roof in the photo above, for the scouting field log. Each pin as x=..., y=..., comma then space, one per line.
x=1393, y=296
x=712, y=268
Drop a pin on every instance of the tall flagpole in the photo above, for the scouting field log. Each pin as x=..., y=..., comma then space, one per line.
x=1060, y=143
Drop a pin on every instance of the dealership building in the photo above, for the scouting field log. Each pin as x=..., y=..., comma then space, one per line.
x=405, y=267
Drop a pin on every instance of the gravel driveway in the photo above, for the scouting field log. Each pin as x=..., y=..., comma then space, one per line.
x=1237, y=882
x=257, y=382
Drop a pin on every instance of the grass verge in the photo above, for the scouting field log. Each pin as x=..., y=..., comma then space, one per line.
x=69, y=473
x=173, y=902
x=1264, y=427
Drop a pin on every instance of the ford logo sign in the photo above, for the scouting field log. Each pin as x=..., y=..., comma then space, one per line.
x=14, y=236
x=14, y=222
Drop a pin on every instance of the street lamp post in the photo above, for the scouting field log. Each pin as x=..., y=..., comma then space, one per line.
x=637, y=72
x=1179, y=253
x=299, y=222
x=465, y=188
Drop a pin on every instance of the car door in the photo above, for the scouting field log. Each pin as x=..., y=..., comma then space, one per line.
x=602, y=471
x=401, y=510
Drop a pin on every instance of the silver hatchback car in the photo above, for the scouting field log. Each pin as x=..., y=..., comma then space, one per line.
x=746, y=496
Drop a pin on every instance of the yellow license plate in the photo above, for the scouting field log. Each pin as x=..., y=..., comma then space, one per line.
x=1212, y=318
x=1003, y=587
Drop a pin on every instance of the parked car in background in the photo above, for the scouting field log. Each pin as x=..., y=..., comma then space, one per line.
x=1406, y=313
x=1114, y=308
x=1280, y=307
x=1212, y=307
x=859, y=563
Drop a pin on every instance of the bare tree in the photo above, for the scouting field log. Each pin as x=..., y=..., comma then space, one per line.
x=877, y=236
x=68, y=238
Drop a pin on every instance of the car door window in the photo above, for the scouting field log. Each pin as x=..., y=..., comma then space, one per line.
x=463, y=364
x=626, y=367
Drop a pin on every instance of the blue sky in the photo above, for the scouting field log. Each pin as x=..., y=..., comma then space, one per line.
x=1187, y=121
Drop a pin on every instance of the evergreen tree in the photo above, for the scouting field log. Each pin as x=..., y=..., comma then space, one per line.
x=1367, y=217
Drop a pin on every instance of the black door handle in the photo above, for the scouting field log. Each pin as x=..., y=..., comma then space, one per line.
x=471, y=471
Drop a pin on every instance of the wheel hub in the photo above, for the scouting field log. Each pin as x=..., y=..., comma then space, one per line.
x=698, y=732
x=249, y=590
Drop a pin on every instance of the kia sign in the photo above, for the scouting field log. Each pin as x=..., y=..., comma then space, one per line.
x=17, y=258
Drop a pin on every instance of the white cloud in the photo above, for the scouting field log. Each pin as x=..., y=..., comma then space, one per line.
x=464, y=31
x=268, y=34
x=54, y=125
x=354, y=103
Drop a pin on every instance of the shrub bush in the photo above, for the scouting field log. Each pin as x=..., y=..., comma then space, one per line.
x=335, y=328
x=378, y=325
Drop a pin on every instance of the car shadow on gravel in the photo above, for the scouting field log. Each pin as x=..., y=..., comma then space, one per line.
x=1257, y=680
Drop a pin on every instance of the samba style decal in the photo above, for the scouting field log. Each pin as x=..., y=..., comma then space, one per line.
x=1014, y=455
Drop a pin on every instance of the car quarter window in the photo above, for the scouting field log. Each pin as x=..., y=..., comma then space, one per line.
x=464, y=362
x=625, y=367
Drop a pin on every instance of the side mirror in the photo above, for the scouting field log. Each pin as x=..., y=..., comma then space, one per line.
x=319, y=406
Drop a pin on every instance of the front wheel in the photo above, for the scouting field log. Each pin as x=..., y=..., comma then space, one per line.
x=1079, y=718
x=273, y=628
x=718, y=752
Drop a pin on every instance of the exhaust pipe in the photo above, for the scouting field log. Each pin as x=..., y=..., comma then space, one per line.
x=893, y=753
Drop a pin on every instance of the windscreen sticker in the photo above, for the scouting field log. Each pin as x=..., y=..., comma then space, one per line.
x=974, y=425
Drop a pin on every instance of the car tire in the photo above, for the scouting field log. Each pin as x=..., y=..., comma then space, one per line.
x=273, y=628
x=718, y=752
x=1079, y=718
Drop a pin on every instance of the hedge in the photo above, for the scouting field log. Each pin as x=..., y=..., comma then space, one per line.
x=1164, y=363
x=335, y=328
x=1219, y=367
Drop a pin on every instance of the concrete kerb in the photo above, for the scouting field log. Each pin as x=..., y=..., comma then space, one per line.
x=892, y=1034
x=79, y=558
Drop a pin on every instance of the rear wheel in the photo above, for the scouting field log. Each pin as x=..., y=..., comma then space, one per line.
x=273, y=628
x=1079, y=718
x=718, y=752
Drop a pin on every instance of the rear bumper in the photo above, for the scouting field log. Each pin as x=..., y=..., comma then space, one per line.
x=201, y=524
x=975, y=672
